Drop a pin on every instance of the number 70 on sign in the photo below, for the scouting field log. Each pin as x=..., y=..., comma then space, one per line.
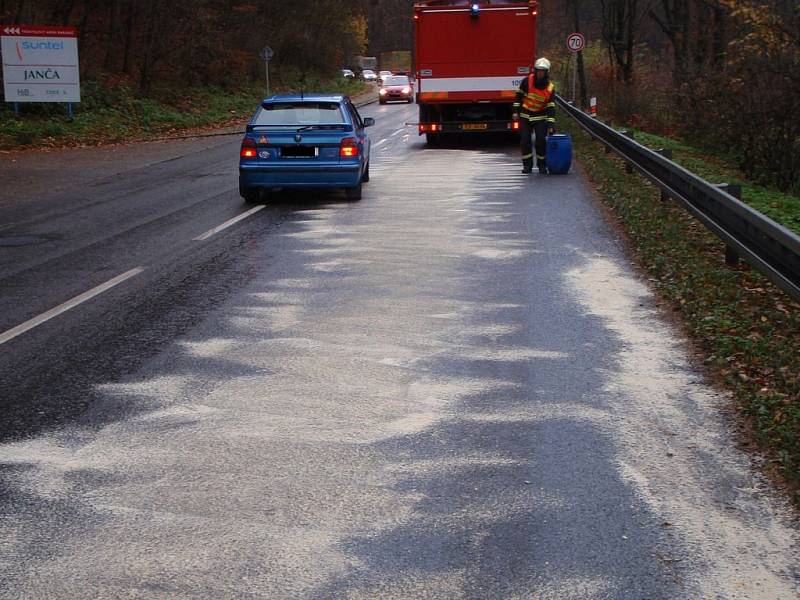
x=576, y=42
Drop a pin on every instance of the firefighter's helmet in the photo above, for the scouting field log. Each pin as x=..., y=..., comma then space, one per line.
x=542, y=63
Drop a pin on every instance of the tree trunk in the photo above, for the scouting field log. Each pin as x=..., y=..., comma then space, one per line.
x=149, y=47
x=719, y=45
x=584, y=100
x=86, y=13
x=126, y=57
x=111, y=36
x=620, y=24
x=20, y=7
x=675, y=23
x=61, y=12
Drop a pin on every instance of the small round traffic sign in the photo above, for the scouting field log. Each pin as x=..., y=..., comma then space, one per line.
x=266, y=53
x=576, y=42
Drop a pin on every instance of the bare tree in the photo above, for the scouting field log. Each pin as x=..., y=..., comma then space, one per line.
x=622, y=20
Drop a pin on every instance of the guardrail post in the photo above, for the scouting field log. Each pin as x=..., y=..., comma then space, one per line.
x=735, y=190
x=628, y=166
x=666, y=153
x=606, y=146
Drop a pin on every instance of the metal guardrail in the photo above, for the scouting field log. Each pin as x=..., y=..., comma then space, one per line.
x=766, y=245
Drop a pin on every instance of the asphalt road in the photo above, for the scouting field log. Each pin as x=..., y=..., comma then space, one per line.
x=457, y=387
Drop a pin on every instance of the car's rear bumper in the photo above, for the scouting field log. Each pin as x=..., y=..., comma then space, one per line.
x=297, y=176
x=396, y=97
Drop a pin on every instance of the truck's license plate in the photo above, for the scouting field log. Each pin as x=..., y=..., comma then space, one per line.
x=473, y=126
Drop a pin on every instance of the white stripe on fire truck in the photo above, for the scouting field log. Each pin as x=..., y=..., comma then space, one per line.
x=469, y=84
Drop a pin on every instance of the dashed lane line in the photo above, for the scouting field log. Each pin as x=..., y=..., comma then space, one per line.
x=103, y=287
x=69, y=304
x=228, y=223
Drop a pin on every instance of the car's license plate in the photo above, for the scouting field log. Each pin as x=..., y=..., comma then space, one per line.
x=299, y=151
x=474, y=126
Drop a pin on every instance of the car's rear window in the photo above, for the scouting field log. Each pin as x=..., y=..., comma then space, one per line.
x=402, y=80
x=300, y=113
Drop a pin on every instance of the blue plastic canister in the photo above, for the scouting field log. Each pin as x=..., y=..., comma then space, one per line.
x=559, y=153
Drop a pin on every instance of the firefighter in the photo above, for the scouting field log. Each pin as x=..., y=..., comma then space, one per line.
x=536, y=108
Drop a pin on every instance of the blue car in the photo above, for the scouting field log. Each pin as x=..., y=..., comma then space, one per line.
x=304, y=141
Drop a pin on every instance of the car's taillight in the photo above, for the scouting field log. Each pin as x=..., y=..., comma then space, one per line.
x=514, y=125
x=248, y=149
x=348, y=148
x=429, y=127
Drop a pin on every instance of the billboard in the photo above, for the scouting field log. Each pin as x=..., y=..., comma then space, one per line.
x=40, y=63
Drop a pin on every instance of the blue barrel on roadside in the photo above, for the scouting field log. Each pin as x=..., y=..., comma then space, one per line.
x=559, y=153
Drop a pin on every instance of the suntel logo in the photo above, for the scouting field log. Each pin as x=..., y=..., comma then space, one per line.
x=48, y=45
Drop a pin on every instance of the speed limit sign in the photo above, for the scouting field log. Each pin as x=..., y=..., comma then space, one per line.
x=576, y=42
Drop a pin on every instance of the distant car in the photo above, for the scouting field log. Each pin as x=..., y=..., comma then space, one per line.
x=368, y=75
x=348, y=74
x=396, y=87
x=304, y=141
x=383, y=75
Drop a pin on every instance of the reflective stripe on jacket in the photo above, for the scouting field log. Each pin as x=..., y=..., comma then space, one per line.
x=536, y=100
x=535, y=104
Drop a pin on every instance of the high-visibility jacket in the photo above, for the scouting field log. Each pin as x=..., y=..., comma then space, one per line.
x=535, y=104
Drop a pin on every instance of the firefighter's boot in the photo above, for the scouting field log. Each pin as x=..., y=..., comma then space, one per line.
x=527, y=165
x=541, y=163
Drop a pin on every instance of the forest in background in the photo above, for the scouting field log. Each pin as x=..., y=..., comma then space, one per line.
x=149, y=44
x=724, y=73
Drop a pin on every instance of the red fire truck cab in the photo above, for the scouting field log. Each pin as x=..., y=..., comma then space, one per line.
x=470, y=60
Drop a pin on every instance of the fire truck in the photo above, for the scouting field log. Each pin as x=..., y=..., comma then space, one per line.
x=470, y=60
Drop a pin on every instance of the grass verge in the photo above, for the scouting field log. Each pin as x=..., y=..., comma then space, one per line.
x=747, y=331
x=782, y=208
x=113, y=113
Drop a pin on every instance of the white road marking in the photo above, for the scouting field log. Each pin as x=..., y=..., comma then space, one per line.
x=381, y=143
x=62, y=308
x=228, y=223
x=398, y=132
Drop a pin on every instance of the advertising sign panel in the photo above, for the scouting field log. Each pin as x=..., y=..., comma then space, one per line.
x=40, y=63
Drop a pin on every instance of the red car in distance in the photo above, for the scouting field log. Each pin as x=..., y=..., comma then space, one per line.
x=396, y=87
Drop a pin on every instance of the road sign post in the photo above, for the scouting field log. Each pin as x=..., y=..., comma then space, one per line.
x=574, y=76
x=266, y=54
x=575, y=43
